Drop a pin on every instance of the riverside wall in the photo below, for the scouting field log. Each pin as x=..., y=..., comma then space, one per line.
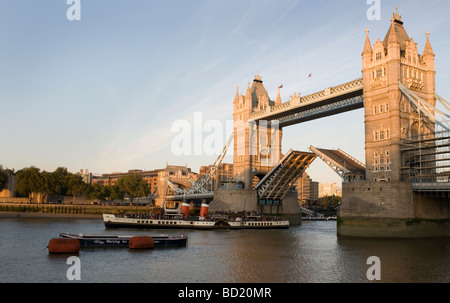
x=391, y=210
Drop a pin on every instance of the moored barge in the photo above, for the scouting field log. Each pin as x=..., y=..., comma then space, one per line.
x=91, y=240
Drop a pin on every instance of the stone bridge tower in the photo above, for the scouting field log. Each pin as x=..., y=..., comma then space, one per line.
x=386, y=204
x=389, y=117
x=257, y=144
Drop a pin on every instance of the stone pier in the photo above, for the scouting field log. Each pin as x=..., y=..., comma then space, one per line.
x=247, y=200
x=391, y=210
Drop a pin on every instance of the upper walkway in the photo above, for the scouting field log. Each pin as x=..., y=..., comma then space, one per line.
x=330, y=101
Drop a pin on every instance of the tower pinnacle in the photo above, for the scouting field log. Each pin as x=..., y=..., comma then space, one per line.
x=428, y=49
x=367, y=45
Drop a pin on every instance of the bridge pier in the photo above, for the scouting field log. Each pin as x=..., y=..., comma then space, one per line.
x=247, y=200
x=391, y=210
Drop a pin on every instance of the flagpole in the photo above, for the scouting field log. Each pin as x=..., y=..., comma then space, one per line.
x=310, y=82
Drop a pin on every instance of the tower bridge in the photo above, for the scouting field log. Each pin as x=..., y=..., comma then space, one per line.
x=405, y=154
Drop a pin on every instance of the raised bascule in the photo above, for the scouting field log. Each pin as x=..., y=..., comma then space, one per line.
x=402, y=189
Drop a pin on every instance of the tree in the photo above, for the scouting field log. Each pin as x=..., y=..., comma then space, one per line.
x=113, y=192
x=133, y=185
x=95, y=192
x=60, y=178
x=29, y=181
x=75, y=185
x=3, y=178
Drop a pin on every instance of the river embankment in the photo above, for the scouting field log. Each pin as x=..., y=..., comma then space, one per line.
x=10, y=210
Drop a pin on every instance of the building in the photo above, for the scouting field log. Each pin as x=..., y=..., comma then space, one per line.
x=86, y=175
x=180, y=176
x=314, y=191
x=111, y=179
x=223, y=173
x=307, y=190
x=303, y=186
x=327, y=189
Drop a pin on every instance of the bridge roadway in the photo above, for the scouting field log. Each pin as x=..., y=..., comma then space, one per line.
x=340, y=162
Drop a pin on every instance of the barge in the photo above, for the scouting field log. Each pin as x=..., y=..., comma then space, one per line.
x=93, y=240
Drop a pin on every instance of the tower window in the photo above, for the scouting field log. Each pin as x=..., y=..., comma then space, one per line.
x=379, y=73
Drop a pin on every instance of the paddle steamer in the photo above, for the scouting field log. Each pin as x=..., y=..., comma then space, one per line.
x=179, y=222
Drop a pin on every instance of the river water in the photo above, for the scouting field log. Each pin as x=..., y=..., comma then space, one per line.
x=310, y=253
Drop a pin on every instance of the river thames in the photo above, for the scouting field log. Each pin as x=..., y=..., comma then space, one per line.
x=310, y=253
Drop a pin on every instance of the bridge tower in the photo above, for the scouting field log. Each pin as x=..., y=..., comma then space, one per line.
x=387, y=204
x=389, y=117
x=257, y=144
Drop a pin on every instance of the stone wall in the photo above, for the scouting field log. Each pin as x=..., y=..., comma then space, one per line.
x=377, y=200
x=391, y=209
x=234, y=200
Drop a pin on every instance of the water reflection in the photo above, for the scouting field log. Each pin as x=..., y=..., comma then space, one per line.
x=311, y=253
x=403, y=260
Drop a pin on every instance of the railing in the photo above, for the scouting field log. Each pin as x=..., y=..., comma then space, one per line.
x=319, y=96
x=49, y=209
x=426, y=162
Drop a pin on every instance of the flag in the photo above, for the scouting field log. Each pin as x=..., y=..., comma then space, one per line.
x=309, y=75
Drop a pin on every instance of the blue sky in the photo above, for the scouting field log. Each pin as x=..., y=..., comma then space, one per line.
x=102, y=93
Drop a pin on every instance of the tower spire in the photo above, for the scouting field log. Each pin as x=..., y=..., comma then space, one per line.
x=367, y=45
x=236, y=97
x=278, y=100
x=396, y=17
x=393, y=38
x=428, y=49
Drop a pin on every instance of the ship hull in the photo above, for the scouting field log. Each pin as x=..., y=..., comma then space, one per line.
x=112, y=221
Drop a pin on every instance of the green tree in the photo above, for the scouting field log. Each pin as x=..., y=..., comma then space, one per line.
x=75, y=186
x=113, y=192
x=29, y=181
x=60, y=181
x=3, y=178
x=134, y=186
x=95, y=192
